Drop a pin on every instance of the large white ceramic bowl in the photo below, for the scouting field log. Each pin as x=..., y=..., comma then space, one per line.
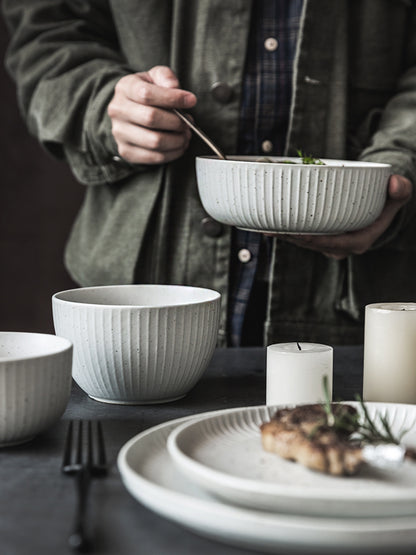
x=35, y=383
x=336, y=197
x=138, y=344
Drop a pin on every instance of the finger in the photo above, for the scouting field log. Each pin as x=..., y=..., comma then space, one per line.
x=148, y=139
x=334, y=256
x=354, y=242
x=138, y=155
x=141, y=91
x=400, y=188
x=335, y=246
x=298, y=240
x=359, y=241
x=400, y=192
x=146, y=116
x=164, y=77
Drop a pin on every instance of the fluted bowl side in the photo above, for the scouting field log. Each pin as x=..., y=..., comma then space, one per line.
x=335, y=197
x=35, y=383
x=138, y=344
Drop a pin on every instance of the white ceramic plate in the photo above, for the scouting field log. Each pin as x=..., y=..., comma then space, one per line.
x=152, y=478
x=222, y=453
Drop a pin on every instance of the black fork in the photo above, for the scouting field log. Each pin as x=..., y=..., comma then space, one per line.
x=84, y=458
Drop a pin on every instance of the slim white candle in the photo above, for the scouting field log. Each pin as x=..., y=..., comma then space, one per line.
x=295, y=375
x=390, y=352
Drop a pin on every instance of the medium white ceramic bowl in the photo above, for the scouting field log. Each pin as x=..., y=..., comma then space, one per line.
x=333, y=198
x=35, y=383
x=138, y=344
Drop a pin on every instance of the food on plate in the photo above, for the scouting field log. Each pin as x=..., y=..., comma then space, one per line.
x=304, y=159
x=330, y=437
x=302, y=434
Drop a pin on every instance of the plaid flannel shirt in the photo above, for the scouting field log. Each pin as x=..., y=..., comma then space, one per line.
x=264, y=116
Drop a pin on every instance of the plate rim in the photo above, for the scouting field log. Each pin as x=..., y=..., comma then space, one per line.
x=248, y=485
x=305, y=531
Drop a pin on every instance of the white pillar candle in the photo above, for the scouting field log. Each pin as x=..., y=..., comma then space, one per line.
x=390, y=353
x=295, y=373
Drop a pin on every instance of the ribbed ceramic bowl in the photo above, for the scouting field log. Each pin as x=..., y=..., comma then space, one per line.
x=35, y=383
x=138, y=344
x=336, y=197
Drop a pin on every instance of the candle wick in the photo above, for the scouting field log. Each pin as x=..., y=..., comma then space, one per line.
x=299, y=347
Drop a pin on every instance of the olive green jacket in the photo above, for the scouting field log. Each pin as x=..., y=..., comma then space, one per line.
x=354, y=96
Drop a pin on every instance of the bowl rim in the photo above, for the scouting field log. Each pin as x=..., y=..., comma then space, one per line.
x=56, y=297
x=61, y=345
x=330, y=163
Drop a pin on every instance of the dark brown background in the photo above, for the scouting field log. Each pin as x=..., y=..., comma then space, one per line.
x=39, y=200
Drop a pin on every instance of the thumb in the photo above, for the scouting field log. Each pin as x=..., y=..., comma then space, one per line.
x=400, y=188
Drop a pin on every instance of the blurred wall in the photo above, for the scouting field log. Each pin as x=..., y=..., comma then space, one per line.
x=39, y=200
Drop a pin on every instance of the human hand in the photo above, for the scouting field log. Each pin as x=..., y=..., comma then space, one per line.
x=358, y=242
x=143, y=126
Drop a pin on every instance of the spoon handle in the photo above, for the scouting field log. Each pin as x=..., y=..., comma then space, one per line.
x=199, y=132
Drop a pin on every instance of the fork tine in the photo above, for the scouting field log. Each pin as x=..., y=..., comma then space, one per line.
x=102, y=459
x=66, y=460
x=78, y=456
x=85, y=443
x=90, y=445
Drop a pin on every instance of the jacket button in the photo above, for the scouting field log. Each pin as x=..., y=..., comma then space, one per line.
x=221, y=92
x=211, y=228
x=267, y=146
x=244, y=256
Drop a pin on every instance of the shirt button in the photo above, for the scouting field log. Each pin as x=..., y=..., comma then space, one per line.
x=211, y=228
x=271, y=44
x=244, y=256
x=222, y=92
x=267, y=146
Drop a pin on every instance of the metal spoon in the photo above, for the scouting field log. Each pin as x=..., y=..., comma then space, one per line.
x=199, y=132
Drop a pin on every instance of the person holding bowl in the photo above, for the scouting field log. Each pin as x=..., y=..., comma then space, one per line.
x=97, y=82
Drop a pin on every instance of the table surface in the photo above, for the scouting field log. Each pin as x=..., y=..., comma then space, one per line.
x=38, y=502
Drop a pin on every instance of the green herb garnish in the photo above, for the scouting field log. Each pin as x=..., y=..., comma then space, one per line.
x=304, y=160
x=307, y=159
x=338, y=417
x=361, y=428
x=370, y=432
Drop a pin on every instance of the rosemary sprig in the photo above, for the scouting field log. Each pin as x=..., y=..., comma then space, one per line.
x=364, y=428
x=339, y=418
x=307, y=159
x=330, y=416
x=369, y=432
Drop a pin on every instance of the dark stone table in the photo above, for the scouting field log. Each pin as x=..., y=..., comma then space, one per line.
x=37, y=502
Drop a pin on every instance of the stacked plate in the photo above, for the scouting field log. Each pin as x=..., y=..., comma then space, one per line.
x=210, y=474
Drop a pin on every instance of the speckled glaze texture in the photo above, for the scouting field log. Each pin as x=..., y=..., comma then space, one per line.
x=294, y=198
x=35, y=383
x=141, y=343
x=222, y=453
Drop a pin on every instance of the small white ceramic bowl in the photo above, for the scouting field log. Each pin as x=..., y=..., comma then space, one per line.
x=336, y=197
x=35, y=383
x=138, y=344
